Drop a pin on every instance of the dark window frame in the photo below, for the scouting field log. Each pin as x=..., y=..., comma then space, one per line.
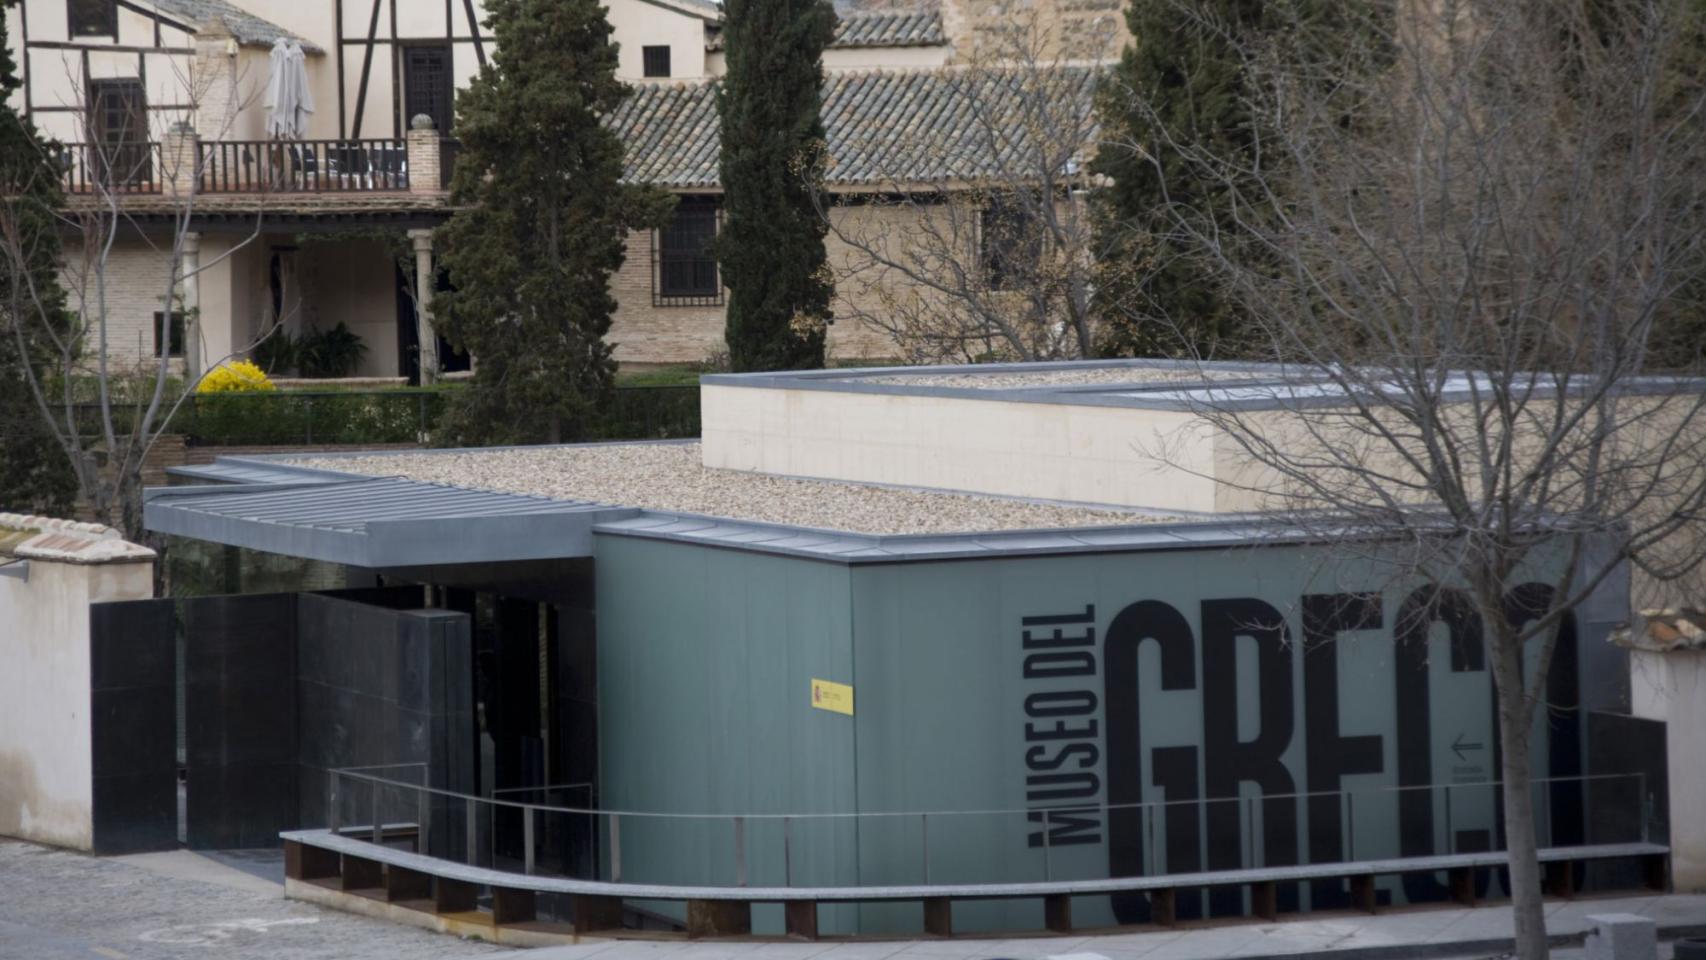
x=683, y=273
x=91, y=18
x=175, y=332
x=654, y=61
x=119, y=148
x=1004, y=224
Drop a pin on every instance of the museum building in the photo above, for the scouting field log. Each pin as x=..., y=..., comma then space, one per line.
x=879, y=628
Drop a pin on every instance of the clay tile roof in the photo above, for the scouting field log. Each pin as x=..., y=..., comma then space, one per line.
x=902, y=28
x=1683, y=629
x=245, y=26
x=883, y=127
x=878, y=28
x=43, y=538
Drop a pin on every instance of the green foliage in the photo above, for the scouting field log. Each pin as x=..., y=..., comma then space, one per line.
x=276, y=355
x=304, y=417
x=541, y=224
x=771, y=245
x=409, y=415
x=329, y=353
x=35, y=473
x=1179, y=96
x=317, y=354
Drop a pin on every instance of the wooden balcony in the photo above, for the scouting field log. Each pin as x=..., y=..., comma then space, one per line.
x=241, y=167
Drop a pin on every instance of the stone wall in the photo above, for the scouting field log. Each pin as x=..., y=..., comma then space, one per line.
x=983, y=31
x=649, y=334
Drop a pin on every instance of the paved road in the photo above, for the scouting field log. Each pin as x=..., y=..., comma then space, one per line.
x=56, y=905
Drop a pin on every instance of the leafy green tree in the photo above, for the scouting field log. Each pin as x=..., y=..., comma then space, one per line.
x=771, y=245
x=1178, y=135
x=35, y=473
x=542, y=221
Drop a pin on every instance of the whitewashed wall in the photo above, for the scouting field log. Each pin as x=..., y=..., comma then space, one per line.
x=46, y=767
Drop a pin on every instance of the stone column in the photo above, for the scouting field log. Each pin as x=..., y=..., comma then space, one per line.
x=424, y=330
x=422, y=144
x=179, y=154
x=190, y=285
x=213, y=82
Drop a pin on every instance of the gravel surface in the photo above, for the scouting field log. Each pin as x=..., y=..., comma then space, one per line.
x=57, y=905
x=1056, y=378
x=669, y=477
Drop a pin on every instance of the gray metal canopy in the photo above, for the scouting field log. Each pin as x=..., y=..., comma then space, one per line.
x=378, y=521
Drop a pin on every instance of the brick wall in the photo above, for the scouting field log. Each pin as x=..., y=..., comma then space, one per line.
x=135, y=287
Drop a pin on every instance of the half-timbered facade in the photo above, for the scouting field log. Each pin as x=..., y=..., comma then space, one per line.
x=162, y=100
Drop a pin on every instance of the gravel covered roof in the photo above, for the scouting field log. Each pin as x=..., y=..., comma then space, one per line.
x=669, y=477
x=883, y=127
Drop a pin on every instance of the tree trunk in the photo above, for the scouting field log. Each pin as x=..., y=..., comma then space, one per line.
x=1527, y=908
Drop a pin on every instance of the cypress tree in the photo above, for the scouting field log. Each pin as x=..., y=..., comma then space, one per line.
x=771, y=245
x=35, y=474
x=542, y=222
x=1182, y=80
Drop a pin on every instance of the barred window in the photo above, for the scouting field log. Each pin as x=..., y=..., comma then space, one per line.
x=683, y=271
x=1012, y=243
x=655, y=61
x=92, y=18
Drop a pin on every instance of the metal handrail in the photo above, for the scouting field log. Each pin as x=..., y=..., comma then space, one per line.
x=354, y=773
x=599, y=853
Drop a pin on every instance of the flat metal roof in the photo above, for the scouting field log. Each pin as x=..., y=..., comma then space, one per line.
x=259, y=503
x=1247, y=386
x=376, y=521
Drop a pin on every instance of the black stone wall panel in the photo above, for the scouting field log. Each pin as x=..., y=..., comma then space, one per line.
x=380, y=687
x=1628, y=795
x=240, y=719
x=132, y=723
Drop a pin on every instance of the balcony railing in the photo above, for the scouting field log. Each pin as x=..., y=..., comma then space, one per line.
x=304, y=166
x=241, y=166
x=87, y=168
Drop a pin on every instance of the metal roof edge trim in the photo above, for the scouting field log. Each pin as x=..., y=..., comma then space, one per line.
x=152, y=494
x=848, y=380
x=331, y=546
x=489, y=539
x=863, y=548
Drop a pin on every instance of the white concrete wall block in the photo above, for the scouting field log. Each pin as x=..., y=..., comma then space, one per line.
x=1146, y=458
x=1621, y=936
x=1670, y=685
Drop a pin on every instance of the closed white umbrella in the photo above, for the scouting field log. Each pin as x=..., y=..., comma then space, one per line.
x=289, y=101
x=281, y=92
x=303, y=98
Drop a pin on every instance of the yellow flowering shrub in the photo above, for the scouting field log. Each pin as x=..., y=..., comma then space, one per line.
x=235, y=376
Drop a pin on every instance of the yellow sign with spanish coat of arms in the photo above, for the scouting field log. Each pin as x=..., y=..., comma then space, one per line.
x=835, y=697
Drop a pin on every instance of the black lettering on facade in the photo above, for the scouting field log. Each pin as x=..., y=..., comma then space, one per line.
x=1062, y=731
x=1229, y=761
x=1142, y=621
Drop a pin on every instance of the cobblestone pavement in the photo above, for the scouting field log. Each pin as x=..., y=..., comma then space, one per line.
x=56, y=905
